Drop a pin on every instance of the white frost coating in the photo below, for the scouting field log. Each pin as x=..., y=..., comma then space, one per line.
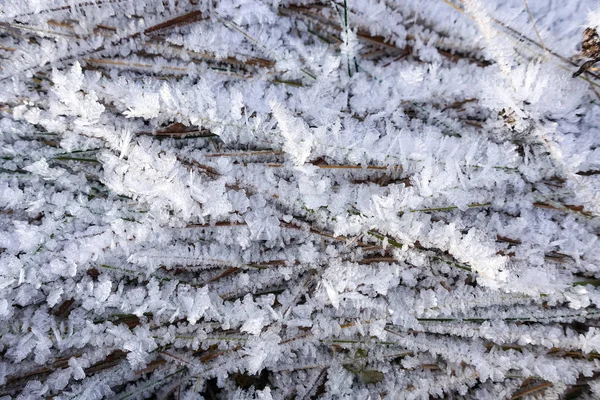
x=333, y=295
x=253, y=199
x=298, y=136
x=68, y=89
x=472, y=250
x=42, y=169
x=194, y=304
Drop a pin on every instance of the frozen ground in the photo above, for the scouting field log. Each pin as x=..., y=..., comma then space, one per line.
x=247, y=199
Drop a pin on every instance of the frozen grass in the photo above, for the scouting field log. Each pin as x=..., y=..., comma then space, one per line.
x=351, y=199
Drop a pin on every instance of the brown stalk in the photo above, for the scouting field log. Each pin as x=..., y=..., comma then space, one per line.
x=239, y=59
x=224, y=274
x=132, y=65
x=507, y=239
x=152, y=366
x=364, y=36
x=181, y=360
x=369, y=167
x=566, y=207
x=525, y=392
x=210, y=171
x=20, y=27
x=372, y=260
x=311, y=230
x=537, y=32
x=111, y=360
x=177, y=129
x=216, y=224
x=247, y=153
x=193, y=16
x=376, y=40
